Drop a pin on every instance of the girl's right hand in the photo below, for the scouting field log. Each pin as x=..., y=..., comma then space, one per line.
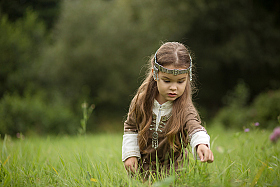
x=131, y=164
x=204, y=153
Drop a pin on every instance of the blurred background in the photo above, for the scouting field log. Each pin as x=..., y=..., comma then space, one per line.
x=56, y=55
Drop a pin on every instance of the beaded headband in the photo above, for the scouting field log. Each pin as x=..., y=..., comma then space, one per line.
x=158, y=67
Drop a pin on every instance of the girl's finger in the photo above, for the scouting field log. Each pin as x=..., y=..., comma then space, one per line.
x=200, y=155
x=211, y=157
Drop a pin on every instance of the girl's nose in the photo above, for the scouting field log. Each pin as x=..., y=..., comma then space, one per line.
x=173, y=87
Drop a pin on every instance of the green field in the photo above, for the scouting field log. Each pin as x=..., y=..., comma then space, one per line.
x=241, y=159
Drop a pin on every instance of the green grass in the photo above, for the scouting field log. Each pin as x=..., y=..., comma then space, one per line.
x=241, y=159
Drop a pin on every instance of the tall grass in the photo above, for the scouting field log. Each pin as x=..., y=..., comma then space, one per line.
x=241, y=159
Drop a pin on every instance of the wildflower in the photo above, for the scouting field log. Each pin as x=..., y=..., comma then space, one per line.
x=92, y=106
x=257, y=124
x=246, y=130
x=275, y=135
x=93, y=180
x=18, y=135
x=84, y=105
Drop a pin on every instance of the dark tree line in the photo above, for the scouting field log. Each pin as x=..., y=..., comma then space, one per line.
x=63, y=53
x=47, y=10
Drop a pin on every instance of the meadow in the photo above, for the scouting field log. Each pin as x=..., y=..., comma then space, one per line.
x=241, y=159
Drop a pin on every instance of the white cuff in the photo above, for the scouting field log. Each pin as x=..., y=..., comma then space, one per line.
x=130, y=146
x=200, y=137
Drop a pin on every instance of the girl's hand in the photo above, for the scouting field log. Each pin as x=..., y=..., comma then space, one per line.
x=131, y=164
x=204, y=153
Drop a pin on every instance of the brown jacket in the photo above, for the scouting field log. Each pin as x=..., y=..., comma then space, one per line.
x=164, y=152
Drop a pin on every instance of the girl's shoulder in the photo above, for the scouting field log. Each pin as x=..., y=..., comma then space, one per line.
x=191, y=112
x=190, y=107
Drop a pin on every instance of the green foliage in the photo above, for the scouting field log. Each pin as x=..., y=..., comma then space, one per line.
x=239, y=97
x=105, y=53
x=235, y=112
x=31, y=113
x=238, y=113
x=234, y=39
x=99, y=49
x=101, y=59
x=266, y=108
x=47, y=10
x=86, y=114
x=20, y=44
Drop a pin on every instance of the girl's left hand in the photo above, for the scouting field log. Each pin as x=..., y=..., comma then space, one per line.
x=204, y=153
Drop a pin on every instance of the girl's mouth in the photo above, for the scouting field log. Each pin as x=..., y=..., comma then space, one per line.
x=172, y=95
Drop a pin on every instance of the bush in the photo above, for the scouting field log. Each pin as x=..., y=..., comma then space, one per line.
x=33, y=114
x=20, y=46
x=237, y=113
x=234, y=114
x=265, y=108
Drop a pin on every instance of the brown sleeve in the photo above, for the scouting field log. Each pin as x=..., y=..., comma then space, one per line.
x=130, y=126
x=193, y=122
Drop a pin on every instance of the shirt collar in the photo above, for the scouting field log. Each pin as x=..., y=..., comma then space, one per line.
x=165, y=106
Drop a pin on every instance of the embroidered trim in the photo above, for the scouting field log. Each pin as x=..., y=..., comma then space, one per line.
x=195, y=131
x=162, y=123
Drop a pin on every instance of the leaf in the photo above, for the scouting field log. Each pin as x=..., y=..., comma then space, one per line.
x=61, y=160
x=55, y=170
x=258, y=175
x=6, y=160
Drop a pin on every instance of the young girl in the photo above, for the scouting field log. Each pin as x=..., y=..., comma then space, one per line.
x=162, y=119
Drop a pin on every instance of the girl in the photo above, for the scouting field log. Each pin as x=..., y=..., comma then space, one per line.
x=162, y=118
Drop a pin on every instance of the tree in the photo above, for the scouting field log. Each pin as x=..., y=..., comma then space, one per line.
x=20, y=44
x=98, y=57
x=47, y=10
x=234, y=40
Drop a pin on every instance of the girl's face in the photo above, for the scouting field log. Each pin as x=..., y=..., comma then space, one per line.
x=170, y=87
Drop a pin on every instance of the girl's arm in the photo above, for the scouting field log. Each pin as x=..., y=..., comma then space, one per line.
x=200, y=143
x=198, y=137
x=130, y=147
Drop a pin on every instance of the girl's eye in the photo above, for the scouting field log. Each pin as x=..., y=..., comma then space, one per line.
x=166, y=80
x=181, y=81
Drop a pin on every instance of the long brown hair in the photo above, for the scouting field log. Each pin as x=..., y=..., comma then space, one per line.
x=142, y=104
